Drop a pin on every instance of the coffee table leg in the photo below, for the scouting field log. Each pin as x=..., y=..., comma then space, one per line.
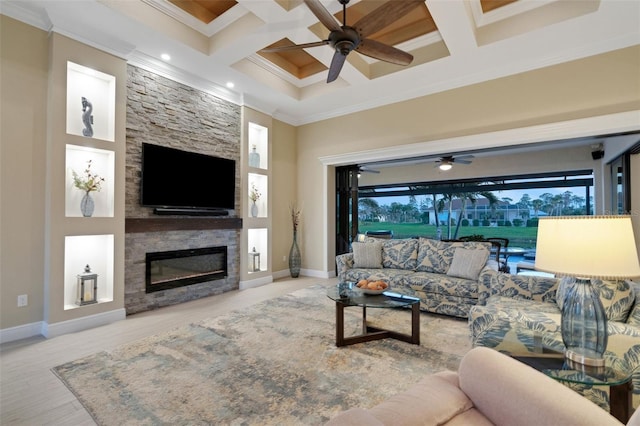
x=364, y=320
x=415, y=323
x=339, y=324
x=620, y=401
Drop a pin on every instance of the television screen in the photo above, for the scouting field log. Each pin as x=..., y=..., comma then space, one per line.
x=173, y=178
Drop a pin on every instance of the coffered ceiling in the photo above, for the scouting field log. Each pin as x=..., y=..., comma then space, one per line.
x=454, y=43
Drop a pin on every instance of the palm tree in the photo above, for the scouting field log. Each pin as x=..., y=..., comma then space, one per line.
x=473, y=197
x=368, y=207
x=537, y=205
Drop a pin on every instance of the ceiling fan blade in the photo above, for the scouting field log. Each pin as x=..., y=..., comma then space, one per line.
x=295, y=46
x=336, y=66
x=368, y=170
x=384, y=52
x=385, y=15
x=464, y=157
x=323, y=15
x=457, y=160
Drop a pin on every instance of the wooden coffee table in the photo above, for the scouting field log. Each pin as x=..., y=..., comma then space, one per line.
x=345, y=295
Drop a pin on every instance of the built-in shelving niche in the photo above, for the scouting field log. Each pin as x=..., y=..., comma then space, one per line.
x=259, y=184
x=258, y=238
x=258, y=144
x=102, y=164
x=99, y=91
x=97, y=251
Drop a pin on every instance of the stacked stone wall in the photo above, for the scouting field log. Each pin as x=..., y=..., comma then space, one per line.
x=163, y=112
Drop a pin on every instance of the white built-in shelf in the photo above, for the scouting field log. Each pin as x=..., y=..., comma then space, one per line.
x=258, y=238
x=102, y=165
x=99, y=90
x=258, y=144
x=97, y=251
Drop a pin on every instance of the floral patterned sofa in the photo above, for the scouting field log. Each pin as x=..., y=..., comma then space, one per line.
x=443, y=275
x=515, y=312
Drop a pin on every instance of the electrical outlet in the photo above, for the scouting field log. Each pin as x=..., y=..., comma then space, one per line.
x=23, y=300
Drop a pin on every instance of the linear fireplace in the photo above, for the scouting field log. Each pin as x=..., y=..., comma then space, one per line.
x=178, y=268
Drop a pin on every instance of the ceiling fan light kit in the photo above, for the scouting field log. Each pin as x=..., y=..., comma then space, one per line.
x=344, y=38
x=445, y=166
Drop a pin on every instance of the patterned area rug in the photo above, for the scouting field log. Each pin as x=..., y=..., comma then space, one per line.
x=274, y=363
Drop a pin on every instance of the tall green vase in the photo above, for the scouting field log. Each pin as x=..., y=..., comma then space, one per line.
x=294, y=257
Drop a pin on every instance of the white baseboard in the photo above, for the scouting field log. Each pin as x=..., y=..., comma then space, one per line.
x=84, y=323
x=256, y=282
x=21, y=332
x=284, y=274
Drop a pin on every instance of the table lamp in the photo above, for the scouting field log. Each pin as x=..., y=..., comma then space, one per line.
x=578, y=249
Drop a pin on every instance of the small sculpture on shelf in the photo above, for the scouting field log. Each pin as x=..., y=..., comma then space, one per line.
x=87, y=117
x=87, y=287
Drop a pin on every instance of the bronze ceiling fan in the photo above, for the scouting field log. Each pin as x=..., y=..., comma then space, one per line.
x=446, y=162
x=345, y=38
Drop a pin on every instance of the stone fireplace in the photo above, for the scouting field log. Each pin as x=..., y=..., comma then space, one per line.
x=167, y=113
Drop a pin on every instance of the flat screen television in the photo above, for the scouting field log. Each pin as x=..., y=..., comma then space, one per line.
x=181, y=182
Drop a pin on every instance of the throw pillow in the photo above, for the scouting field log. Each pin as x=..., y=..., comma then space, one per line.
x=616, y=296
x=467, y=263
x=367, y=255
x=400, y=254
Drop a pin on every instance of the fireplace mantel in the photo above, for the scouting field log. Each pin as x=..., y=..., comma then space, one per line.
x=133, y=225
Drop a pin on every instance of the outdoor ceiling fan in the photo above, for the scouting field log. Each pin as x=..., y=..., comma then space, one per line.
x=446, y=163
x=345, y=38
x=365, y=169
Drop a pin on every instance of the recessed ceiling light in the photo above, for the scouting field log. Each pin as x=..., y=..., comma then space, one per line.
x=165, y=57
x=230, y=85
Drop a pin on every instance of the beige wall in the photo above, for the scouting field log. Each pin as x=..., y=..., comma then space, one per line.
x=595, y=86
x=23, y=85
x=284, y=189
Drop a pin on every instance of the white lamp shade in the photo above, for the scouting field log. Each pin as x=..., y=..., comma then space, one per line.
x=587, y=246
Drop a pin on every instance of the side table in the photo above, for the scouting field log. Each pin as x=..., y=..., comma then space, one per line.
x=618, y=379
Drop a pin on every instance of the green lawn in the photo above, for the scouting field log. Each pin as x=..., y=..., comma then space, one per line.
x=518, y=237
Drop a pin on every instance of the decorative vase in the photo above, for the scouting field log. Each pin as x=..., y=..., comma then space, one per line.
x=254, y=210
x=583, y=323
x=294, y=257
x=254, y=158
x=87, y=205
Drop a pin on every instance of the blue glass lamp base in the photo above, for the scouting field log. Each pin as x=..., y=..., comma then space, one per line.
x=583, y=323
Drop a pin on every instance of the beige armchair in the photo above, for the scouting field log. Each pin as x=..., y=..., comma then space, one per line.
x=489, y=388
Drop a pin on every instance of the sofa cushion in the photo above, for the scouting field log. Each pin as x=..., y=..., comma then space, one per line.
x=467, y=263
x=616, y=296
x=400, y=254
x=436, y=255
x=367, y=255
x=434, y=400
x=354, y=417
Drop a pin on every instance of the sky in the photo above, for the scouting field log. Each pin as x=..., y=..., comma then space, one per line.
x=514, y=194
